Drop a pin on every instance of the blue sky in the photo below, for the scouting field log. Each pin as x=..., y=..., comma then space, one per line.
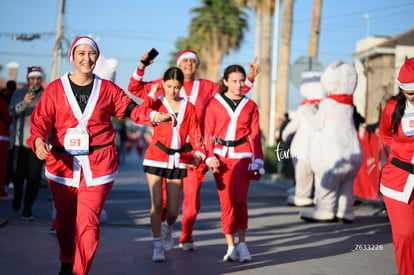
x=127, y=28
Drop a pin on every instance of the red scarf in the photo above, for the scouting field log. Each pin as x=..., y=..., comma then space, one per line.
x=311, y=101
x=344, y=99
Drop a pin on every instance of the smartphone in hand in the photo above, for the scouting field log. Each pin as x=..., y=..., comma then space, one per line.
x=151, y=55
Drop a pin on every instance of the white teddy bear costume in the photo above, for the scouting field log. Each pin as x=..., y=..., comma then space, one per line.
x=299, y=126
x=105, y=68
x=336, y=153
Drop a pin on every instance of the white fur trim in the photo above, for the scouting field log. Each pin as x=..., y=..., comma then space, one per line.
x=407, y=86
x=187, y=55
x=136, y=76
x=259, y=161
x=83, y=40
x=160, y=164
x=200, y=155
x=248, y=83
x=209, y=159
x=36, y=73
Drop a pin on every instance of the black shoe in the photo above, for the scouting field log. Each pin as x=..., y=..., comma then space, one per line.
x=16, y=204
x=312, y=220
x=66, y=269
x=27, y=215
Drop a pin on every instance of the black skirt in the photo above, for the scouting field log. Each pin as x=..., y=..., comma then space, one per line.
x=175, y=173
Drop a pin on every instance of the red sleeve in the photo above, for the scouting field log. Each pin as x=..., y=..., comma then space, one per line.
x=386, y=125
x=137, y=86
x=248, y=85
x=141, y=115
x=196, y=138
x=255, y=135
x=43, y=115
x=4, y=112
x=209, y=126
x=149, y=100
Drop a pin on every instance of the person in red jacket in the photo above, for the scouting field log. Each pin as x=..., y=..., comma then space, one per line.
x=234, y=153
x=166, y=157
x=199, y=92
x=397, y=178
x=81, y=156
x=5, y=120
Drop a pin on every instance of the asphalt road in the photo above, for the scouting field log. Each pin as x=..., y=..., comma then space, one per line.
x=278, y=240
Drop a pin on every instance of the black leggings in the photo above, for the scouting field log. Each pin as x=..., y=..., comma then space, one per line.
x=26, y=166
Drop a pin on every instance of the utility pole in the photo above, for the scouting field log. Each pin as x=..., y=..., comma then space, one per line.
x=315, y=29
x=273, y=86
x=57, y=53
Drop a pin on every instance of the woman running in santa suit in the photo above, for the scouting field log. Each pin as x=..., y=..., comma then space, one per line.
x=81, y=157
x=166, y=157
x=397, y=179
x=233, y=141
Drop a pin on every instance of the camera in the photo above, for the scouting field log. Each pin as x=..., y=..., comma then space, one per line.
x=31, y=91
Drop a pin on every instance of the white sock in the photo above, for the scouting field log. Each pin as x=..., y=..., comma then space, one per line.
x=157, y=242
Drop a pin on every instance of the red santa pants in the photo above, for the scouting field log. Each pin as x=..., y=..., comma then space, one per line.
x=77, y=221
x=402, y=222
x=190, y=206
x=4, y=153
x=233, y=183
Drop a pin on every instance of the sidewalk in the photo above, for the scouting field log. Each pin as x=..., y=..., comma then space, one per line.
x=278, y=240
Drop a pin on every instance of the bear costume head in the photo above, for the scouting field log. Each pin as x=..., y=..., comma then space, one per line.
x=105, y=68
x=339, y=78
x=310, y=87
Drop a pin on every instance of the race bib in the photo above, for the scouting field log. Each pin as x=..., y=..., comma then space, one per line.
x=407, y=122
x=76, y=141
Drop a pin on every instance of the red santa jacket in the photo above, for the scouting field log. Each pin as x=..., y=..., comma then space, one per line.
x=396, y=183
x=166, y=138
x=58, y=111
x=199, y=92
x=222, y=123
x=5, y=119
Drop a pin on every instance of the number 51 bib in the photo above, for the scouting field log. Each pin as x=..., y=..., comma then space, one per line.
x=76, y=141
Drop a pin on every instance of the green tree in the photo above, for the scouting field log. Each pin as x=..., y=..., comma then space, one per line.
x=216, y=28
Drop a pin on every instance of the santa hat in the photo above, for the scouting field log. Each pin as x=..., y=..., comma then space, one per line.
x=188, y=54
x=34, y=71
x=406, y=75
x=82, y=40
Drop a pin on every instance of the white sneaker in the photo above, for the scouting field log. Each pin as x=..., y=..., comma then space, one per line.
x=167, y=237
x=188, y=247
x=158, y=254
x=231, y=255
x=244, y=254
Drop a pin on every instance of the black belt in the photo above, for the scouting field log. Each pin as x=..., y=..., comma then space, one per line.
x=230, y=143
x=170, y=151
x=61, y=149
x=409, y=167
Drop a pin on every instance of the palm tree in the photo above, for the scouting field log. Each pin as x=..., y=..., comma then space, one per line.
x=283, y=78
x=261, y=91
x=258, y=6
x=268, y=7
x=217, y=27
